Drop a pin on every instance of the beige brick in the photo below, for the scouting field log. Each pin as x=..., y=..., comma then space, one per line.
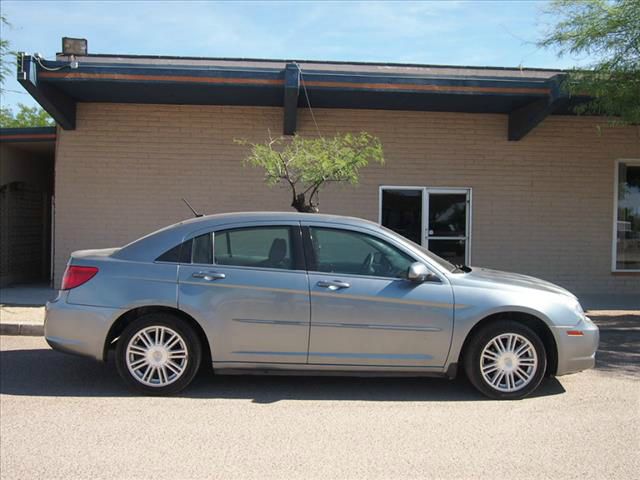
x=542, y=206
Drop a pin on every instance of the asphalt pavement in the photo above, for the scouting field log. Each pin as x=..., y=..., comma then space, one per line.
x=68, y=417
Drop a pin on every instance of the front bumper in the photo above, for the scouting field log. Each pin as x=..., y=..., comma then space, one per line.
x=78, y=329
x=577, y=352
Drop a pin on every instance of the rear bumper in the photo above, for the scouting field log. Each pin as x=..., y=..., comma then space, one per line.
x=577, y=353
x=78, y=329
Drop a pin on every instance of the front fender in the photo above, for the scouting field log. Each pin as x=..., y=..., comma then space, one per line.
x=474, y=304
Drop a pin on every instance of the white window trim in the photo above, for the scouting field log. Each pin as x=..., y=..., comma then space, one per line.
x=614, y=238
x=425, y=209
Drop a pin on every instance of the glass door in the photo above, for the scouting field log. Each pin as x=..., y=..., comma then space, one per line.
x=401, y=211
x=447, y=230
x=437, y=218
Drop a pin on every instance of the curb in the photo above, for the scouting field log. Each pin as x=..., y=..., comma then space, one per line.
x=26, y=329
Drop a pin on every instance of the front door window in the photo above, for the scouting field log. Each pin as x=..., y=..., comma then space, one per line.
x=436, y=218
x=353, y=253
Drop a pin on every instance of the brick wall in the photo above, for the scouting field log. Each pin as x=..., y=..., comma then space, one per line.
x=541, y=206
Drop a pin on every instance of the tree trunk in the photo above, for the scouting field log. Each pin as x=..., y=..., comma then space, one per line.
x=300, y=204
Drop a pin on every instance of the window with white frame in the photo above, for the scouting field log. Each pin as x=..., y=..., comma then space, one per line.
x=626, y=226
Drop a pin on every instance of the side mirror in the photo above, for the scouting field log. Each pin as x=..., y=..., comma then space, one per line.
x=419, y=273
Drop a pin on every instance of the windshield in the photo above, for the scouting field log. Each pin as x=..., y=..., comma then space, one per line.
x=440, y=261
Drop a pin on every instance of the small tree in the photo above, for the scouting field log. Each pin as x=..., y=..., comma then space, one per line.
x=305, y=165
x=609, y=31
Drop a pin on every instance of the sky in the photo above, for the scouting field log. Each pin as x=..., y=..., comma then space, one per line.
x=490, y=33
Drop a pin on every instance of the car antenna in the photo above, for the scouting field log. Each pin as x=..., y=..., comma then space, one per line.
x=195, y=214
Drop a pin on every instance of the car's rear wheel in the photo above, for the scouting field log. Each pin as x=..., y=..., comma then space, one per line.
x=158, y=354
x=505, y=360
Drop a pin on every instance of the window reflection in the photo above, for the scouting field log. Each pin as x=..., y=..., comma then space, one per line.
x=447, y=215
x=402, y=213
x=628, y=218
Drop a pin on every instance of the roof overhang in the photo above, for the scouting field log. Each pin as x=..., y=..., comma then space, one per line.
x=28, y=135
x=32, y=140
x=526, y=98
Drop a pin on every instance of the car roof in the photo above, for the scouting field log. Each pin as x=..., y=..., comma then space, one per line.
x=222, y=218
x=154, y=244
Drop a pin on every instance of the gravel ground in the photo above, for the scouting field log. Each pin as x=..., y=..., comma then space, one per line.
x=69, y=417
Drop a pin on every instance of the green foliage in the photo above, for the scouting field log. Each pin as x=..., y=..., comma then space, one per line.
x=6, y=55
x=26, y=117
x=609, y=31
x=306, y=164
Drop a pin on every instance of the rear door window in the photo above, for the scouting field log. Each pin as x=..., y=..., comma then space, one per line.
x=194, y=250
x=202, y=249
x=257, y=247
x=178, y=254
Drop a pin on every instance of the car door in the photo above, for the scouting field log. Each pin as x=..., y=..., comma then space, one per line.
x=363, y=312
x=248, y=287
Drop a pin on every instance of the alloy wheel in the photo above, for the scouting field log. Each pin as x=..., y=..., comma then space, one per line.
x=157, y=356
x=508, y=362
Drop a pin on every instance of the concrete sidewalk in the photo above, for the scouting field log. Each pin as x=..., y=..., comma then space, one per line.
x=22, y=309
x=19, y=320
x=31, y=295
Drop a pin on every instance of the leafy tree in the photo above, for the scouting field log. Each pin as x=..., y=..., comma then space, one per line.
x=5, y=52
x=25, y=117
x=608, y=30
x=305, y=165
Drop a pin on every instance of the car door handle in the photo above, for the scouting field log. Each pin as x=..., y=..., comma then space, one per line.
x=333, y=285
x=209, y=276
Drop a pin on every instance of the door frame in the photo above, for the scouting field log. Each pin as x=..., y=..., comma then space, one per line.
x=425, y=211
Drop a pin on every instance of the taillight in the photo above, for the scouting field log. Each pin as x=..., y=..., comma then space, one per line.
x=75, y=275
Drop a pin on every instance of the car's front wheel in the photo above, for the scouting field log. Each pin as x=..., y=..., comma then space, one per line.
x=158, y=354
x=505, y=360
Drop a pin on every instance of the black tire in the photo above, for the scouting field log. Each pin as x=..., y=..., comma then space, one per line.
x=476, y=345
x=188, y=336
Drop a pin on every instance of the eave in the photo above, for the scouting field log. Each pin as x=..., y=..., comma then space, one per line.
x=27, y=134
x=58, y=88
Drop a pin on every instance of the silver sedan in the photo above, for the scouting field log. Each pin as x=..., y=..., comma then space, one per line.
x=309, y=293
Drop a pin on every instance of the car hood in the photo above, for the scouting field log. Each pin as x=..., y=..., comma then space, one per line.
x=487, y=278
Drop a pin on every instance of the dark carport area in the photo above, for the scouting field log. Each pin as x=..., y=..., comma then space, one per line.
x=26, y=192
